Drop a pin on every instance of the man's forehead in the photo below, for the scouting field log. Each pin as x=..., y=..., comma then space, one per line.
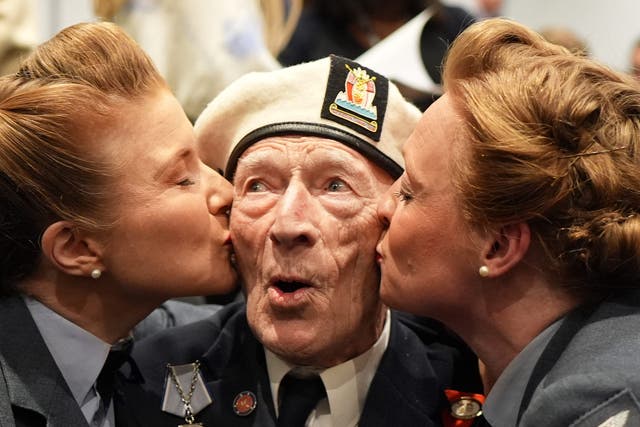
x=300, y=148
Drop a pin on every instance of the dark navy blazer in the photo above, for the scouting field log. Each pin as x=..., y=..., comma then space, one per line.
x=421, y=360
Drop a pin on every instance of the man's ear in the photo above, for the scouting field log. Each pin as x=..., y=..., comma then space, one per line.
x=507, y=248
x=70, y=250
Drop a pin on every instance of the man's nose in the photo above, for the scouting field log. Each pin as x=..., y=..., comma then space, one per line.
x=295, y=224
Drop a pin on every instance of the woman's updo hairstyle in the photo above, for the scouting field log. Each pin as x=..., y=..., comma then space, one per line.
x=49, y=167
x=552, y=139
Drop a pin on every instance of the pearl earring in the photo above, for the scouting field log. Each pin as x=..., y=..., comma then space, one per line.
x=96, y=273
x=483, y=271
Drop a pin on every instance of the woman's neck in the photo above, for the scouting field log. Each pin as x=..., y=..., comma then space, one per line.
x=95, y=307
x=508, y=317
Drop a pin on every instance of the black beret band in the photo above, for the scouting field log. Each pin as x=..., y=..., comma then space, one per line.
x=312, y=129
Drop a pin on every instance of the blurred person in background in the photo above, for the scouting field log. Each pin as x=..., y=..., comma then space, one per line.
x=362, y=29
x=17, y=33
x=635, y=60
x=565, y=37
x=200, y=46
x=489, y=8
x=481, y=9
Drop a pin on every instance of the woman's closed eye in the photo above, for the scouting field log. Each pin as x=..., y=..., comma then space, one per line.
x=186, y=182
x=403, y=196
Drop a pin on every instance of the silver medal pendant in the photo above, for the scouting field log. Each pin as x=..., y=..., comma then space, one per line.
x=185, y=401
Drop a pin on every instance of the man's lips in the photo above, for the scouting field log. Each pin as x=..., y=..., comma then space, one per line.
x=289, y=284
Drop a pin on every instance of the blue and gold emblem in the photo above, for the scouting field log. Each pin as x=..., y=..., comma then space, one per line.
x=356, y=97
x=355, y=103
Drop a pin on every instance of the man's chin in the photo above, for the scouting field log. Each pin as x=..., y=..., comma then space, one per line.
x=295, y=351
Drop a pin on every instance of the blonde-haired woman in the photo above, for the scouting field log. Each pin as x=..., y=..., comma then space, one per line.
x=517, y=224
x=106, y=211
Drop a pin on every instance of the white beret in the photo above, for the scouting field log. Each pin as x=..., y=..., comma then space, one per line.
x=333, y=98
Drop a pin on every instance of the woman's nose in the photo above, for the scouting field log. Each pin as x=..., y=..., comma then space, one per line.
x=387, y=205
x=219, y=191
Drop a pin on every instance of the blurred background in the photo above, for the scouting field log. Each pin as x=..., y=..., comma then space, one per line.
x=200, y=46
x=609, y=28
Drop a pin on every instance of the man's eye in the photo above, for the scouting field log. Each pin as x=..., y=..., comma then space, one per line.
x=186, y=182
x=336, y=185
x=256, y=187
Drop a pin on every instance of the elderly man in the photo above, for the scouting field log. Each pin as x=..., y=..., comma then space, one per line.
x=309, y=149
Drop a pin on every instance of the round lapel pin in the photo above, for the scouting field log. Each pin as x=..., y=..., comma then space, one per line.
x=244, y=403
x=466, y=408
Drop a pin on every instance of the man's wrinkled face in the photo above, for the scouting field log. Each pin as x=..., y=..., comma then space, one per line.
x=304, y=228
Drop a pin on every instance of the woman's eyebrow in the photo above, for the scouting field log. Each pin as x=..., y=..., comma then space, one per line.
x=171, y=160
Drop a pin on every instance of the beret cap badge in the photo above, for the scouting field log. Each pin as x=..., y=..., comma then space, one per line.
x=360, y=90
x=350, y=95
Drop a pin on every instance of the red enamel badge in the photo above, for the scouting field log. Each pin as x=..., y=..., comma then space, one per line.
x=244, y=403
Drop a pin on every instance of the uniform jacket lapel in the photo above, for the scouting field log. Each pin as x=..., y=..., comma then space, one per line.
x=232, y=361
x=34, y=384
x=244, y=370
x=405, y=390
x=556, y=346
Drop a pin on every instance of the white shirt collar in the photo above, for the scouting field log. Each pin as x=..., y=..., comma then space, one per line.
x=78, y=354
x=502, y=404
x=347, y=384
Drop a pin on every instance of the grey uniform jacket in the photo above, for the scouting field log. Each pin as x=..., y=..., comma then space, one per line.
x=589, y=373
x=32, y=390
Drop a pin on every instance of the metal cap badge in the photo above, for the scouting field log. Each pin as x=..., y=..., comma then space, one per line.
x=355, y=97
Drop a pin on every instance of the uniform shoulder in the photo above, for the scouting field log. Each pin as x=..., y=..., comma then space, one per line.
x=184, y=344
